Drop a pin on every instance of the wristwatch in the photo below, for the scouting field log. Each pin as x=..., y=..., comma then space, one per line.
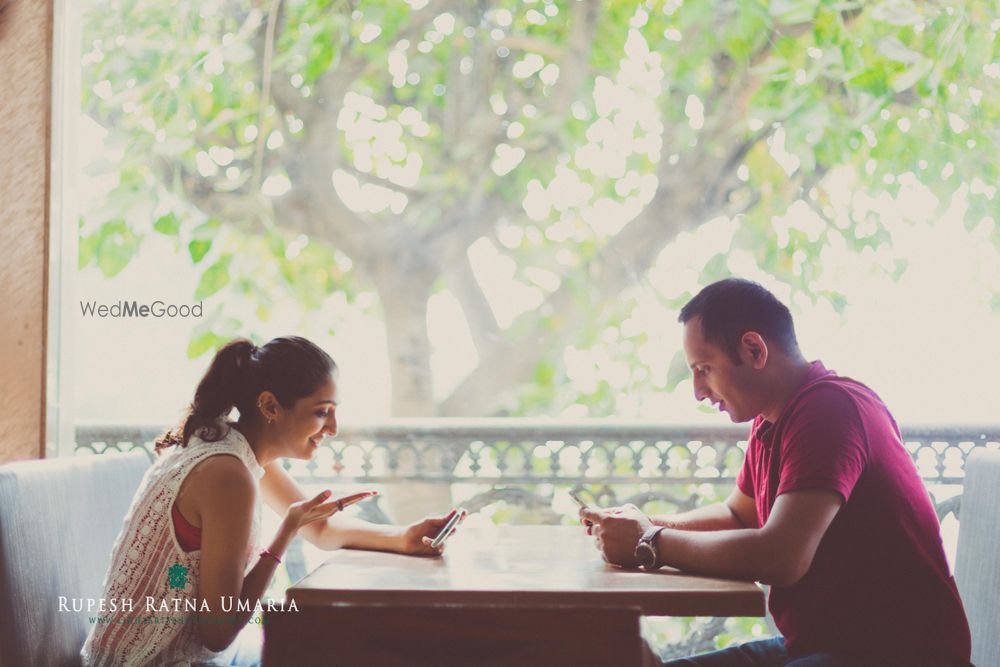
x=645, y=550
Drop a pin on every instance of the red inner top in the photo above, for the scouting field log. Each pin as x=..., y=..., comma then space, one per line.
x=188, y=536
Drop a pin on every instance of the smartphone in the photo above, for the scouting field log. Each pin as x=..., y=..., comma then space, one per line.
x=577, y=499
x=448, y=527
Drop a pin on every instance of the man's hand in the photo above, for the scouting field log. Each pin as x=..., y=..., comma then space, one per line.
x=616, y=532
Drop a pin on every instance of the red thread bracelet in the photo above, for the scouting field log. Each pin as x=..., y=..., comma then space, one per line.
x=267, y=552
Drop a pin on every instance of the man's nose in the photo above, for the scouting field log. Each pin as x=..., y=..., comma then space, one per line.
x=700, y=391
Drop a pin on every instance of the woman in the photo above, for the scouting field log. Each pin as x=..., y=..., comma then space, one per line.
x=187, y=569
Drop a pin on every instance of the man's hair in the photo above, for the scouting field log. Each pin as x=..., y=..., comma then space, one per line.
x=731, y=307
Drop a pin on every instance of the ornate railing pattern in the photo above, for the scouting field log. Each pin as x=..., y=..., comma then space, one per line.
x=615, y=461
x=521, y=463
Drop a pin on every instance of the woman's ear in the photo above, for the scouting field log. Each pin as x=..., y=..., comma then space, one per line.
x=267, y=406
x=755, y=349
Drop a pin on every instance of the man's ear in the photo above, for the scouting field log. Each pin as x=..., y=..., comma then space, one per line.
x=754, y=348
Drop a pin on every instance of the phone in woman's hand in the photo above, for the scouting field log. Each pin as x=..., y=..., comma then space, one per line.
x=456, y=516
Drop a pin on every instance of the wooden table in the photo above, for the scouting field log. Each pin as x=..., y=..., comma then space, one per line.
x=500, y=595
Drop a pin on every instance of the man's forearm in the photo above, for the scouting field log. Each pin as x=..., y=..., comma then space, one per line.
x=743, y=554
x=709, y=517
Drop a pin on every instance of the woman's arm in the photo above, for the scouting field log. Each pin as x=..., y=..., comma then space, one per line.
x=340, y=531
x=225, y=495
x=280, y=491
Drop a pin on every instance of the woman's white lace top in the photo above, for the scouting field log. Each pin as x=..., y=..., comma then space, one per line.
x=148, y=565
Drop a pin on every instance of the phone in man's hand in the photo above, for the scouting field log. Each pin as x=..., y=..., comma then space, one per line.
x=448, y=528
x=581, y=504
x=577, y=499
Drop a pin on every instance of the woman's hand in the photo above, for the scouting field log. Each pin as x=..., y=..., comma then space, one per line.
x=417, y=537
x=306, y=511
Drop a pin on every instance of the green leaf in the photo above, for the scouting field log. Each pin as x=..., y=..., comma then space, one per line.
x=892, y=48
x=678, y=370
x=168, y=224
x=198, y=249
x=115, y=247
x=909, y=77
x=113, y=259
x=87, y=250
x=715, y=269
x=545, y=373
x=202, y=343
x=214, y=278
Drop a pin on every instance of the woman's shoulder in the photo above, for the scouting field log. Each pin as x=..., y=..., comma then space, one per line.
x=222, y=469
x=226, y=470
x=221, y=481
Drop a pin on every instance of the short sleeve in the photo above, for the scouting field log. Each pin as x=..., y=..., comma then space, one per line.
x=823, y=446
x=745, y=477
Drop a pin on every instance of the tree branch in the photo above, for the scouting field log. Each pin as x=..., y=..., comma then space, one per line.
x=463, y=285
x=572, y=62
x=532, y=45
x=623, y=261
x=265, y=89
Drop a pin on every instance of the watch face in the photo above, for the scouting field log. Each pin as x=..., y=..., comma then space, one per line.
x=646, y=555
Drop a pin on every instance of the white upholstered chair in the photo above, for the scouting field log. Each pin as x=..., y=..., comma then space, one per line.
x=977, y=559
x=59, y=519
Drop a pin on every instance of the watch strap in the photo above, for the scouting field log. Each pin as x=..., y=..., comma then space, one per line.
x=649, y=540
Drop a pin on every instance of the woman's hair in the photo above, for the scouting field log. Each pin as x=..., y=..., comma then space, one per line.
x=290, y=367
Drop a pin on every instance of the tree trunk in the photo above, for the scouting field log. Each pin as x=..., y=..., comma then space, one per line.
x=404, y=281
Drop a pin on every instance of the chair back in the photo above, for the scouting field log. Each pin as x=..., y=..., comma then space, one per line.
x=977, y=559
x=59, y=519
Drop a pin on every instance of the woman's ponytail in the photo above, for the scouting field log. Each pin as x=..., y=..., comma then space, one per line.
x=290, y=367
x=229, y=382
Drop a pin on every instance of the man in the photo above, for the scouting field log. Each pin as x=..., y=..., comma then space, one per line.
x=828, y=507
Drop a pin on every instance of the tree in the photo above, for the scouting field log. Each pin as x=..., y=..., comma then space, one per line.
x=302, y=148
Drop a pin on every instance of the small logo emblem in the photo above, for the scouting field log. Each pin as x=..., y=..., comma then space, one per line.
x=178, y=575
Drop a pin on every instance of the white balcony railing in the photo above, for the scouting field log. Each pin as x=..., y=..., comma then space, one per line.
x=616, y=461
x=515, y=463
